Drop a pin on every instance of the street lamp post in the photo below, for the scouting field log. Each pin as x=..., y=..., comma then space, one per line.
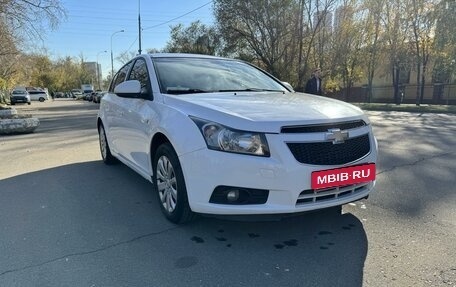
x=112, y=58
x=98, y=69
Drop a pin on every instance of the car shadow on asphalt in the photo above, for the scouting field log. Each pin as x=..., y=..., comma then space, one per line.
x=79, y=211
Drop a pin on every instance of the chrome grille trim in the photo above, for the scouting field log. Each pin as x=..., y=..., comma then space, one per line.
x=312, y=196
x=320, y=128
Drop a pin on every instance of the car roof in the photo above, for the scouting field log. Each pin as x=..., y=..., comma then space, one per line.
x=184, y=55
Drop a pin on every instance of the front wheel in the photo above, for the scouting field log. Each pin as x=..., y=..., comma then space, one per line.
x=169, y=181
x=41, y=99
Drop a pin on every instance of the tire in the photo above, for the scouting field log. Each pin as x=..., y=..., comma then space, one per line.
x=13, y=103
x=29, y=103
x=106, y=155
x=170, y=184
x=41, y=99
x=335, y=210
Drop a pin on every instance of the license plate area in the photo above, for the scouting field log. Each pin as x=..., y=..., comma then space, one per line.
x=343, y=176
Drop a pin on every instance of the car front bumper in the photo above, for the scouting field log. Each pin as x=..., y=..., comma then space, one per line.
x=287, y=180
x=19, y=100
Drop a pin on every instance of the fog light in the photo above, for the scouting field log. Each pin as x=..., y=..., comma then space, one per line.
x=232, y=195
x=235, y=195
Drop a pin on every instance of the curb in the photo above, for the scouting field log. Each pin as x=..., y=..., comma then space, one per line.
x=8, y=112
x=18, y=126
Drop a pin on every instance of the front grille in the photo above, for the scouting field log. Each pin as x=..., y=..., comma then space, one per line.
x=322, y=128
x=319, y=195
x=327, y=153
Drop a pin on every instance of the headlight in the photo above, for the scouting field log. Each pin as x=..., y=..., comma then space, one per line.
x=222, y=138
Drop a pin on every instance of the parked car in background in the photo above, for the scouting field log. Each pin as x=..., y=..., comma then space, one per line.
x=88, y=97
x=76, y=94
x=98, y=96
x=221, y=136
x=59, y=95
x=37, y=95
x=20, y=96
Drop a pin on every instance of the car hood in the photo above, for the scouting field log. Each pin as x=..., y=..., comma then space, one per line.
x=264, y=111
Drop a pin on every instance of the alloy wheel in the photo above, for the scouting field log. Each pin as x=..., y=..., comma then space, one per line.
x=166, y=184
x=103, y=143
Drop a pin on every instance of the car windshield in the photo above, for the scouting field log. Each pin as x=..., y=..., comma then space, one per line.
x=198, y=75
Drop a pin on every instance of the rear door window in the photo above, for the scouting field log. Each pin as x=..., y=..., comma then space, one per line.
x=139, y=72
x=120, y=76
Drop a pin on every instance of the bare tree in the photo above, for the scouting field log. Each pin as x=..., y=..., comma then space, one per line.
x=31, y=17
x=196, y=38
x=395, y=26
x=445, y=42
x=125, y=56
x=315, y=36
x=422, y=25
x=373, y=41
x=8, y=55
x=21, y=19
x=348, y=44
x=263, y=29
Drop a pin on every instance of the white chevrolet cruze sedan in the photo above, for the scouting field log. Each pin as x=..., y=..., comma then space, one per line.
x=221, y=136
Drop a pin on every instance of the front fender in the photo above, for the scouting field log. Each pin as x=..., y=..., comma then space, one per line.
x=181, y=131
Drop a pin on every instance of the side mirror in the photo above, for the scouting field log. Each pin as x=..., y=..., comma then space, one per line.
x=128, y=89
x=288, y=86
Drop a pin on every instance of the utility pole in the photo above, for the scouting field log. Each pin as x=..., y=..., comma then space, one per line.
x=139, y=25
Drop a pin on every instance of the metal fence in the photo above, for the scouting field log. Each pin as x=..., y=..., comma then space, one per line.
x=437, y=94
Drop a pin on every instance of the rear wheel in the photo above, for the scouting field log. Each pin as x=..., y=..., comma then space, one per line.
x=170, y=183
x=106, y=155
x=41, y=99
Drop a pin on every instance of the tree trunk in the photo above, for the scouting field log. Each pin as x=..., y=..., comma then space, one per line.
x=397, y=99
x=423, y=81
x=370, y=91
x=419, y=83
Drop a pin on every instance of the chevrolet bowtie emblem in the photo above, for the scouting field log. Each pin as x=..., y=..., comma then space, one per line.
x=337, y=136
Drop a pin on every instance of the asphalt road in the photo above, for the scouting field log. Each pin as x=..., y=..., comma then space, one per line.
x=66, y=219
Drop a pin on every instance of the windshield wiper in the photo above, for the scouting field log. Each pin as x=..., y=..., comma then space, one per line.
x=251, y=90
x=179, y=91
